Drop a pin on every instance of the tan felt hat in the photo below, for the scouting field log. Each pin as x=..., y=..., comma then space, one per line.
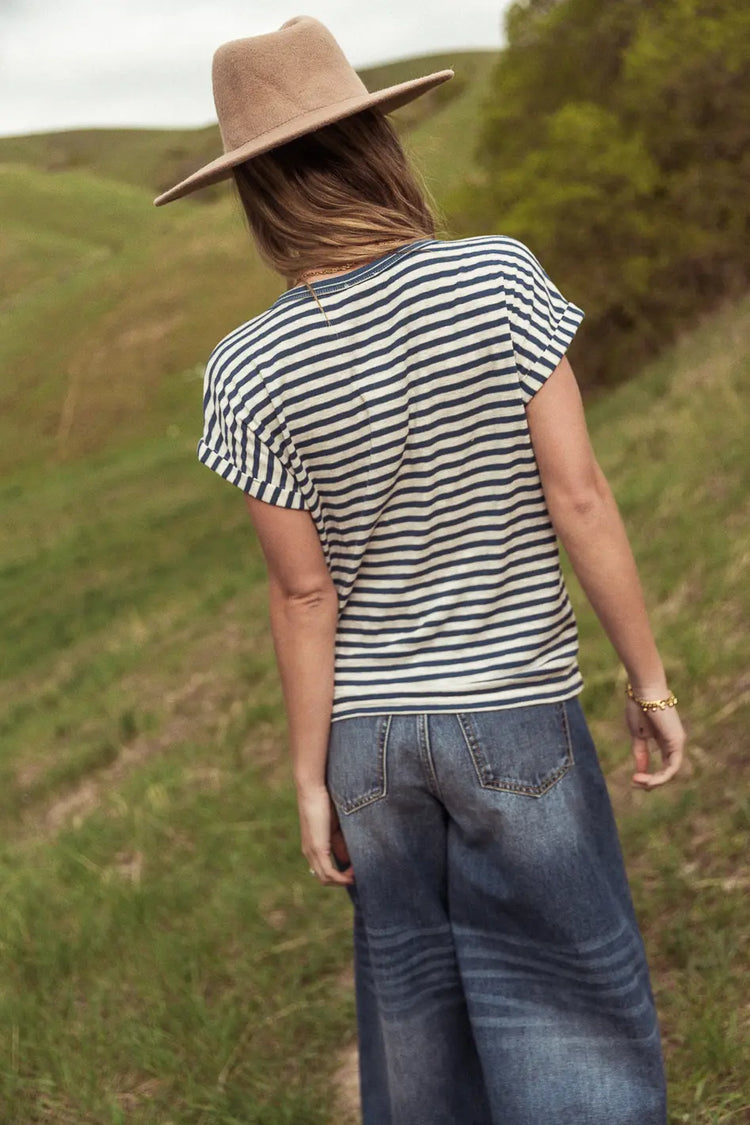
x=272, y=88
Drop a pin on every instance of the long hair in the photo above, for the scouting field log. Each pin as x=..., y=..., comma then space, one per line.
x=339, y=196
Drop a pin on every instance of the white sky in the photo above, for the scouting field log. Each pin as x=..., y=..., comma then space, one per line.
x=74, y=63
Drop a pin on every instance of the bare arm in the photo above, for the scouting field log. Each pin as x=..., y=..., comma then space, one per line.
x=586, y=519
x=303, y=607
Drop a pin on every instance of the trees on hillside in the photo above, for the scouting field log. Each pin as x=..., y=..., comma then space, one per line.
x=616, y=143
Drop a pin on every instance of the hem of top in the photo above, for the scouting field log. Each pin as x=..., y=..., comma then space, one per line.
x=359, y=273
x=431, y=709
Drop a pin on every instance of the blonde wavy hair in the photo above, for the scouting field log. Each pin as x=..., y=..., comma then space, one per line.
x=339, y=196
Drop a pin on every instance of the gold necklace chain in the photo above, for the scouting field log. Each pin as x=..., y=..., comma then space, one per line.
x=344, y=267
x=302, y=280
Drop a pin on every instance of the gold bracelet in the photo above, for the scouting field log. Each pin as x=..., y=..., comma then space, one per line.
x=647, y=705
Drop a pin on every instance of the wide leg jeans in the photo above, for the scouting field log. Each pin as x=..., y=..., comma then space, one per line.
x=500, y=972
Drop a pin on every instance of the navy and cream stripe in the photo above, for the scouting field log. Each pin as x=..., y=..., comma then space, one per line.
x=398, y=421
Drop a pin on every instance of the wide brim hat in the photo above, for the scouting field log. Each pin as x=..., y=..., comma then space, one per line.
x=273, y=88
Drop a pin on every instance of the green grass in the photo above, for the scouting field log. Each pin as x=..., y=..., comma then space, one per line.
x=156, y=926
x=160, y=959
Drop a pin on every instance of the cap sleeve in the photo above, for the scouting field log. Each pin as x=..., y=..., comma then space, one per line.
x=541, y=321
x=233, y=448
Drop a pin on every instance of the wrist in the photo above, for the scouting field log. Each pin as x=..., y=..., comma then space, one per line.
x=649, y=689
x=651, y=703
x=649, y=683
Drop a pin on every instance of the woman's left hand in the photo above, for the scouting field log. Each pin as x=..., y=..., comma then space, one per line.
x=322, y=838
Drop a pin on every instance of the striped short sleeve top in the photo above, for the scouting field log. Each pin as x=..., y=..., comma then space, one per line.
x=396, y=418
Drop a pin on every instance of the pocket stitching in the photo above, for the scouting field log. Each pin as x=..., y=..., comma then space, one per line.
x=484, y=775
x=381, y=786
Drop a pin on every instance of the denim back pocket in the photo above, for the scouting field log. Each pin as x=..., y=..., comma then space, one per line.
x=357, y=773
x=523, y=750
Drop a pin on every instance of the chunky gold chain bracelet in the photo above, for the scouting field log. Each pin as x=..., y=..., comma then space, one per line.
x=647, y=705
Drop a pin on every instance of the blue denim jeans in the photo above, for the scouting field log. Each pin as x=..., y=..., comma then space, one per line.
x=500, y=972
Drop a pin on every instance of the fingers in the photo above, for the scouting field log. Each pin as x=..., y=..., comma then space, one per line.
x=327, y=873
x=671, y=755
x=673, y=758
x=339, y=849
x=641, y=755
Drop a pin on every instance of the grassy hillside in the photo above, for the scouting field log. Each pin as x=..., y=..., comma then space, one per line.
x=105, y=301
x=443, y=144
x=163, y=955
x=144, y=158
x=93, y=338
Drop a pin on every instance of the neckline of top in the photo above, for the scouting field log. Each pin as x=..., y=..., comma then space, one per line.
x=343, y=280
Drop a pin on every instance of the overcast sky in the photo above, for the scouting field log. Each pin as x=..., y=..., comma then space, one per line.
x=73, y=63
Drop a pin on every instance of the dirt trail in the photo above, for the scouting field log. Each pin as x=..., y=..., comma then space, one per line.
x=84, y=797
x=190, y=706
x=203, y=700
x=346, y=1083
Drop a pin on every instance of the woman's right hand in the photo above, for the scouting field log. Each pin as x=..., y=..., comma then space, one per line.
x=322, y=840
x=666, y=730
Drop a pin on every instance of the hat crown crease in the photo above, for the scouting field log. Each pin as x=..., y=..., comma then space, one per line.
x=260, y=83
